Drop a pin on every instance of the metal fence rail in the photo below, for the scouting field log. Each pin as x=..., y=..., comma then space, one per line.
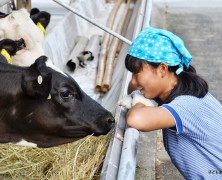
x=93, y=22
x=120, y=162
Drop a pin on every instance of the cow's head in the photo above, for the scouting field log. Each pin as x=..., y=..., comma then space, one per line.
x=50, y=109
x=18, y=25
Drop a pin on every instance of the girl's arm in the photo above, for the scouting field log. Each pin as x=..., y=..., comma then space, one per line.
x=147, y=118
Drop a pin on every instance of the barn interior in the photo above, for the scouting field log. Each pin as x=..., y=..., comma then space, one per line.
x=67, y=35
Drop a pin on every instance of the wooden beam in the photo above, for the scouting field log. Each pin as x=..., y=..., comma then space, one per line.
x=24, y=4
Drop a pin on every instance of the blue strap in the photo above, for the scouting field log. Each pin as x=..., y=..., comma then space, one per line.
x=176, y=117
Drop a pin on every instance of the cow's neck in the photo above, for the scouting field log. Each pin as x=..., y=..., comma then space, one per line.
x=11, y=76
x=10, y=87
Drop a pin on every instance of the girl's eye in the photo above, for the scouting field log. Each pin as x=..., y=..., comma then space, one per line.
x=66, y=95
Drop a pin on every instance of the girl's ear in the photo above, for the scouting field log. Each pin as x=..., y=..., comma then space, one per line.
x=163, y=69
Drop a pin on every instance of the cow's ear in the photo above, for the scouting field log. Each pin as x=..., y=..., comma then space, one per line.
x=9, y=45
x=34, y=11
x=37, y=82
x=40, y=64
x=40, y=17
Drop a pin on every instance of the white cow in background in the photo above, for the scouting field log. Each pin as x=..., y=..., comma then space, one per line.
x=17, y=25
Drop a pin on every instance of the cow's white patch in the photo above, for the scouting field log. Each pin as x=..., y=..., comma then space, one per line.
x=49, y=64
x=39, y=79
x=26, y=143
x=29, y=117
x=49, y=97
x=13, y=111
x=30, y=114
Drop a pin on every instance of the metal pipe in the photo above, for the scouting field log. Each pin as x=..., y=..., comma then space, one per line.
x=140, y=19
x=94, y=23
x=148, y=12
x=113, y=155
x=127, y=167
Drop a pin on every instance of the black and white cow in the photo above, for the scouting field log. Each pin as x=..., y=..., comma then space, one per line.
x=18, y=25
x=8, y=48
x=41, y=107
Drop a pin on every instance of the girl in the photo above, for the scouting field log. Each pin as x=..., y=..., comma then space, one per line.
x=191, y=118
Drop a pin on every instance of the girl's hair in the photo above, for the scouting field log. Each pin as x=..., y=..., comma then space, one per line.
x=189, y=83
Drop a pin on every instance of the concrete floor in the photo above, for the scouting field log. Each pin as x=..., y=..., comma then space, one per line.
x=198, y=23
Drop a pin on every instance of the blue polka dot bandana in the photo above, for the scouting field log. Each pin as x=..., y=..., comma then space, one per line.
x=157, y=45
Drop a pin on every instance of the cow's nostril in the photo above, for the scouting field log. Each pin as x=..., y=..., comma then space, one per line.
x=110, y=120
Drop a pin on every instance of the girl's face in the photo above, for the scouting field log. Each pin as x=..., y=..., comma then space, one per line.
x=152, y=82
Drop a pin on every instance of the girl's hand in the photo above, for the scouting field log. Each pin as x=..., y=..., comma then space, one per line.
x=126, y=102
x=134, y=98
x=138, y=98
x=143, y=116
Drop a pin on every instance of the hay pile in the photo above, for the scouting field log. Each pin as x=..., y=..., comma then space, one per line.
x=78, y=160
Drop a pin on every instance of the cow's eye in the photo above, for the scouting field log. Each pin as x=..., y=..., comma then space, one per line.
x=66, y=95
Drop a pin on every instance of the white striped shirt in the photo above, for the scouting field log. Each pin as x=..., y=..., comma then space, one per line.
x=195, y=145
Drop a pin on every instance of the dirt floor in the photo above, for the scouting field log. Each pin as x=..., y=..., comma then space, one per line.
x=198, y=23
